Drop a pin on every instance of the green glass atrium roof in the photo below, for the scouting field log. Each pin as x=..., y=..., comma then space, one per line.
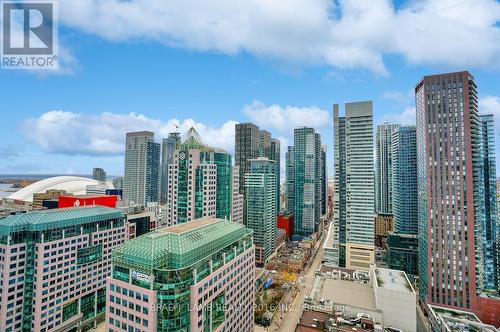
x=56, y=218
x=178, y=246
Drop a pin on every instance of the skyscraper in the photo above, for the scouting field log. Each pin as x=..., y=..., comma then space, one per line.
x=250, y=143
x=142, y=168
x=167, y=157
x=402, y=245
x=236, y=197
x=451, y=191
x=99, y=174
x=54, y=265
x=404, y=180
x=199, y=181
x=197, y=276
x=383, y=168
x=289, y=180
x=491, y=228
x=354, y=185
x=308, y=180
x=261, y=190
x=324, y=185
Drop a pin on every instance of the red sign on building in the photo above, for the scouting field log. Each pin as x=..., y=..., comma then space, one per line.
x=85, y=200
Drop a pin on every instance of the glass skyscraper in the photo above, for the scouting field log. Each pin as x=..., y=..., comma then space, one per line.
x=200, y=182
x=383, y=168
x=261, y=191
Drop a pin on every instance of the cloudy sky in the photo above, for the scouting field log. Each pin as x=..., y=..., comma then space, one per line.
x=150, y=64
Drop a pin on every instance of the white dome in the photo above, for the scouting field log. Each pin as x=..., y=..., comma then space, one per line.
x=75, y=185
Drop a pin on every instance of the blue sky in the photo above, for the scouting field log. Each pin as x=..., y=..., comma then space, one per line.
x=126, y=69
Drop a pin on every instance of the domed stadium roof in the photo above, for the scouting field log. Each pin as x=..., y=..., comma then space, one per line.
x=75, y=185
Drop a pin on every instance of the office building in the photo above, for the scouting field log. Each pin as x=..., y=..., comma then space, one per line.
x=354, y=185
x=250, y=143
x=383, y=168
x=196, y=276
x=54, y=265
x=142, y=168
x=261, y=190
x=402, y=253
x=39, y=197
x=168, y=146
x=200, y=181
x=118, y=182
x=236, y=197
x=451, y=195
x=99, y=174
x=307, y=182
x=491, y=227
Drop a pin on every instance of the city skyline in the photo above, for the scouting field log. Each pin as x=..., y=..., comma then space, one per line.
x=76, y=119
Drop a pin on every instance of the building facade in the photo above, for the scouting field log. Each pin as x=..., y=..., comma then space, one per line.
x=99, y=174
x=451, y=194
x=383, y=168
x=236, y=197
x=289, y=180
x=201, y=182
x=250, y=143
x=54, y=265
x=197, y=276
x=354, y=185
x=168, y=146
x=261, y=191
x=308, y=181
x=142, y=168
x=491, y=227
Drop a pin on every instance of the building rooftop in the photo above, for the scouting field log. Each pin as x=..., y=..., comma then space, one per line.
x=393, y=279
x=56, y=218
x=459, y=321
x=178, y=246
x=347, y=292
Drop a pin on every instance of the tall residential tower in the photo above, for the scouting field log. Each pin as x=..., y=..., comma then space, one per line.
x=354, y=185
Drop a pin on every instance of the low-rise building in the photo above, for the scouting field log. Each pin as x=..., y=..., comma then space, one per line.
x=453, y=320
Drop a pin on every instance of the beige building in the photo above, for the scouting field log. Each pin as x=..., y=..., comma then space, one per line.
x=38, y=198
x=384, y=224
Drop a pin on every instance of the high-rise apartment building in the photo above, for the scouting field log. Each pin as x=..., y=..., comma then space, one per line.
x=236, y=197
x=354, y=185
x=307, y=182
x=404, y=180
x=200, y=181
x=324, y=185
x=383, y=168
x=54, y=265
x=142, y=168
x=99, y=174
x=261, y=190
x=451, y=191
x=491, y=227
x=196, y=276
x=250, y=143
x=289, y=180
x=168, y=146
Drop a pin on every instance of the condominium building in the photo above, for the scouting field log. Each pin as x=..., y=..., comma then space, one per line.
x=307, y=182
x=250, y=143
x=54, y=265
x=404, y=180
x=168, y=147
x=142, y=168
x=196, y=276
x=261, y=190
x=289, y=180
x=383, y=168
x=199, y=181
x=236, y=197
x=99, y=174
x=354, y=185
x=451, y=191
x=491, y=227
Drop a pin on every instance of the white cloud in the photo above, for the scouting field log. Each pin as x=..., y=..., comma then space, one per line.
x=407, y=117
x=354, y=34
x=104, y=134
x=285, y=119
